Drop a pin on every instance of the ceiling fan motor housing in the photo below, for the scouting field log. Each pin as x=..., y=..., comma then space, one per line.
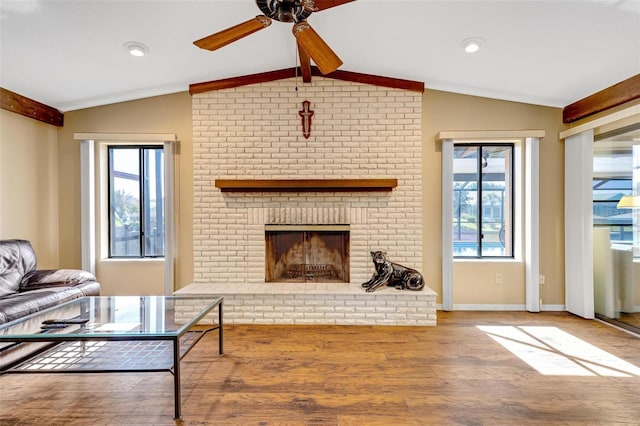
x=286, y=10
x=310, y=44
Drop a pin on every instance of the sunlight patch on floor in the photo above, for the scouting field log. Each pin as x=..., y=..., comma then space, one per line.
x=552, y=351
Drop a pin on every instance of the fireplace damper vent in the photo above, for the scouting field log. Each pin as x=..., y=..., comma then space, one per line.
x=307, y=253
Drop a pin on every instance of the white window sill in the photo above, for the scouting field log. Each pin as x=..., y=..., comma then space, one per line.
x=133, y=260
x=487, y=260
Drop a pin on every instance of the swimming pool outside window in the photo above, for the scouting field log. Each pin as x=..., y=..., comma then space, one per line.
x=483, y=200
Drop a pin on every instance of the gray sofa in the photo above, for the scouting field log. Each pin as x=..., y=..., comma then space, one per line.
x=25, y=290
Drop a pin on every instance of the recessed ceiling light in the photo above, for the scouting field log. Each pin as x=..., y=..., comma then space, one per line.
x=136, y=48
x=472, y=45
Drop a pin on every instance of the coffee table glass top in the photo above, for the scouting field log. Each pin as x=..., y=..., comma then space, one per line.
x=111, y=317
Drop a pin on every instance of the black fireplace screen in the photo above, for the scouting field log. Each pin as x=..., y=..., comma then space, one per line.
x=307, y=256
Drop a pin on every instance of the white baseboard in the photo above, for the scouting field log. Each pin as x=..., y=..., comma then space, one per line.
x=501, y=307
x=553, y=308
x=485, y=307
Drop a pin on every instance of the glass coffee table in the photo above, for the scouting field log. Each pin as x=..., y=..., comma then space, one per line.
x=111, y=334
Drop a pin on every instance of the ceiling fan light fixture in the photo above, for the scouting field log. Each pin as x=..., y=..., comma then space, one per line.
x=136, y=48
x=285, y=16
x=472, y=45
x=286, y=10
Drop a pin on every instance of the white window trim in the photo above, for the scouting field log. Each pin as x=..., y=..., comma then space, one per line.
x=447, y=224
x=529, y=232
x=532, y=224
x=88, y=194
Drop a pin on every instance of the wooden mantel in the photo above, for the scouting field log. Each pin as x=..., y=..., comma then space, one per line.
x=306, y=185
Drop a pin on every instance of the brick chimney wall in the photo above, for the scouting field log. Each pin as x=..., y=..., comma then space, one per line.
x=358, y=131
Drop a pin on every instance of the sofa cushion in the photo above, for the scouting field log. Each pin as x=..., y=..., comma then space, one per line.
x=55, y=278
x=22, y=304
x=17, y=259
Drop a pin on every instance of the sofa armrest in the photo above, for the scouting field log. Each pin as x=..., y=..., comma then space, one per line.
x=55, y=278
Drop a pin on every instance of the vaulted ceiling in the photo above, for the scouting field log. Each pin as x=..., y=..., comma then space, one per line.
x=70, y=54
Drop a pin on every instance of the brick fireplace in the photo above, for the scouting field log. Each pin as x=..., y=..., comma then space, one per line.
x=359, y=131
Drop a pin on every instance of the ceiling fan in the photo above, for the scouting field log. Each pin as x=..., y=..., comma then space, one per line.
x=310, y=45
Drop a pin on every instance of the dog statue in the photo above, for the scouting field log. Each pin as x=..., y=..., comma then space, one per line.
x=392, y=274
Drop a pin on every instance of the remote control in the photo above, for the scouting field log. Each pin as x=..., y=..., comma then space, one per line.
x=66, y=321
x=53, y=326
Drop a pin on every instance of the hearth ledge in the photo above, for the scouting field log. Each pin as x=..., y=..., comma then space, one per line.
x=315, y=303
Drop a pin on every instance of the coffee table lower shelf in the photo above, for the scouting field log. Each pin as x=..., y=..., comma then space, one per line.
x=117, y=354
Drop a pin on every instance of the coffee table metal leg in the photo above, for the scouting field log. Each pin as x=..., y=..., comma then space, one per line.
x=176, y=378
x=220, y=349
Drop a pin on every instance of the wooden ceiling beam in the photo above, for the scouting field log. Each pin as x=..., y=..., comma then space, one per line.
x=22, y=105
x=227, y=83
x=374, y=80
x=618, y=94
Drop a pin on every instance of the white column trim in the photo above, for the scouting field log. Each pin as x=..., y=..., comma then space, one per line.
x=447, y=224
x=88, y=205
x=578, y=223
x=169, y=217
x=532, y=224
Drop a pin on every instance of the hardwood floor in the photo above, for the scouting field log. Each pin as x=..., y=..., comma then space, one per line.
x=631, y=319
x=451, y=374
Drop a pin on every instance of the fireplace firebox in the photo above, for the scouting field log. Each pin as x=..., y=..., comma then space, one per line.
x=299, y=254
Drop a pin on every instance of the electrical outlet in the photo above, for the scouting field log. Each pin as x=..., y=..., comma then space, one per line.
x=542, y=279
x=498, y=278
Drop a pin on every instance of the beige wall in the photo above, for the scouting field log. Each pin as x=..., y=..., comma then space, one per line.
x=441, y=111
x=28, y=184
x=474, y=282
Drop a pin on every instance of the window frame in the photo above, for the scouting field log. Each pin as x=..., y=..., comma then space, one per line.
x=141, y=188
x=479, y=206
x=620, y=226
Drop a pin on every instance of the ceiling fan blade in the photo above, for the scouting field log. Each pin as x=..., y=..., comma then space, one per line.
x=317, y=5
x=325, y=58
x=224, y=37
x=305, y=64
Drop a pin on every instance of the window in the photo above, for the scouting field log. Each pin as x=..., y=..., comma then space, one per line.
x=606, y=195
x=136, y=201
x=483, y=200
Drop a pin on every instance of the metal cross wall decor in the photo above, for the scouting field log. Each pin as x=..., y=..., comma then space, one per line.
x=306, y=115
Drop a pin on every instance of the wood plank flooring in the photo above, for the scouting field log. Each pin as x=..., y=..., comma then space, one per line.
x=451, y=374
x=632, y=319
